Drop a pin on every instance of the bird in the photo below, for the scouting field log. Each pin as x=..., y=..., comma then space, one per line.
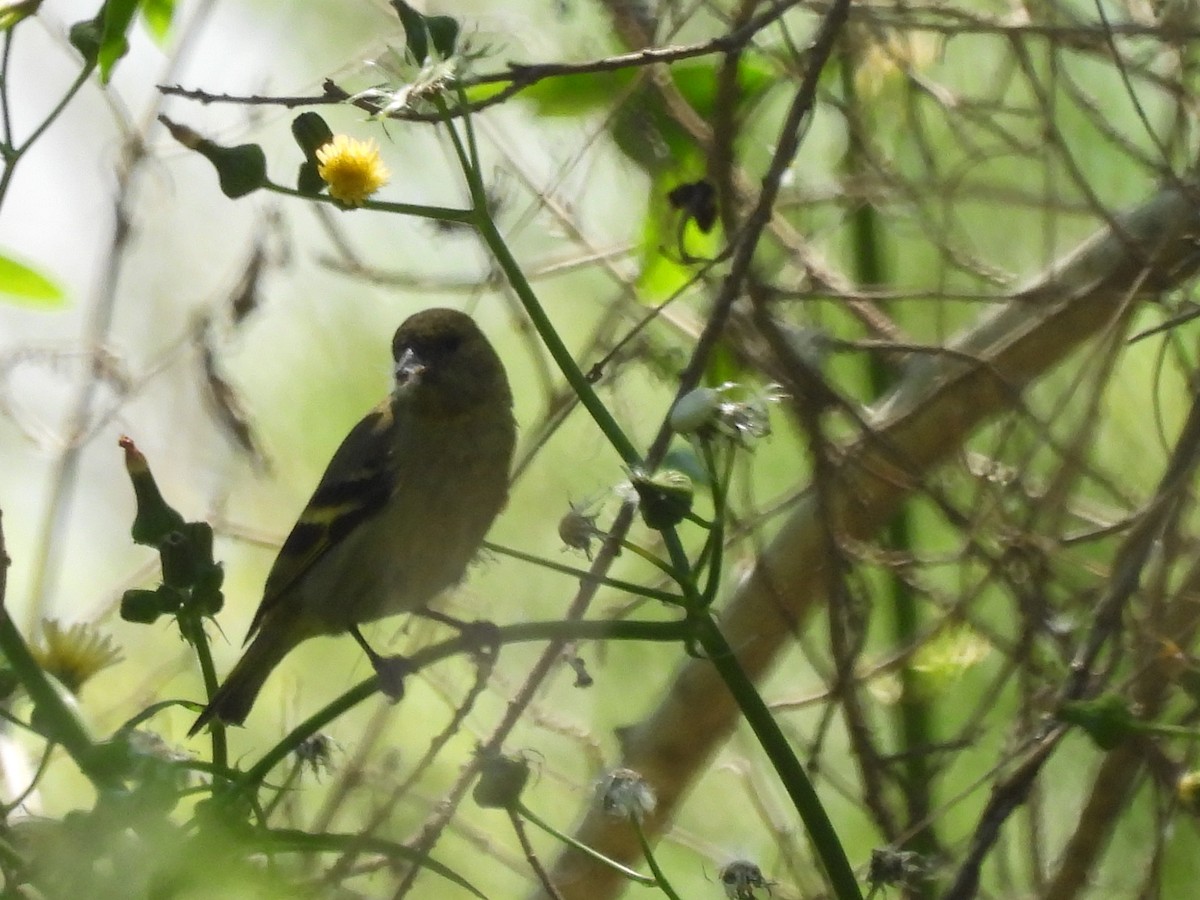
x=400, y=512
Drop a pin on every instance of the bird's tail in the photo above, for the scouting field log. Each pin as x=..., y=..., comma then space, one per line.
x=233, y=699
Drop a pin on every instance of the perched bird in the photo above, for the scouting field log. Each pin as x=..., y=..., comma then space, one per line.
x=401, y=509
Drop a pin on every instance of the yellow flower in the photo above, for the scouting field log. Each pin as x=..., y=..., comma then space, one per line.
x=351, y=168
x=74, y=654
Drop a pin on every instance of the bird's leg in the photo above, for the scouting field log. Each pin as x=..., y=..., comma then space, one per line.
x=389, y=670
x=483, y=635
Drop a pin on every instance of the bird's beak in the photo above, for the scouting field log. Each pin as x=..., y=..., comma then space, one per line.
x=408, y=367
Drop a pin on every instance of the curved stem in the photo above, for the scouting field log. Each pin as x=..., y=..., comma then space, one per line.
x=507, y=634
x=660, y=877
x=629, y=873
x=795, y=780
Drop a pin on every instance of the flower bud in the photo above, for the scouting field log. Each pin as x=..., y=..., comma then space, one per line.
x=154, y=519
x=577, y=530
x=501, y=781
x=240, y=170
x=742, y=879
x=626, y=794
x=665, y=497
x=695, y=410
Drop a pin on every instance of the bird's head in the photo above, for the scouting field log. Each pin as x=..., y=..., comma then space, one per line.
x=444, y=365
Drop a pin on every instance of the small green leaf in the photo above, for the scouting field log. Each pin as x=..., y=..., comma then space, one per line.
x=28, y=286
x=697, y=82
x=118, y=16
x=415, y=33
x=578, y=94
x=158, y=15
x=443, y=31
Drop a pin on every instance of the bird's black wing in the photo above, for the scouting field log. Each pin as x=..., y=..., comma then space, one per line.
x=356, y=485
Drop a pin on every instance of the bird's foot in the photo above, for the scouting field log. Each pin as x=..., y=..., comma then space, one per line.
x=390, y=672
x=484, y=638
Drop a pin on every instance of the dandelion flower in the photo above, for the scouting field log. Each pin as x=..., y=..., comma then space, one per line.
x=352, y=169
x=75, y=653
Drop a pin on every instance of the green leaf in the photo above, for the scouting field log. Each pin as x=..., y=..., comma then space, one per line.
x=28, y=286
x=443, y=31
x=724, y=365
x=641, y=126
x=697, y=82
x=578, y=94
x=481, y=93
x=118, y=16
x=12, y=13
x=158, y=15
x=415, y=33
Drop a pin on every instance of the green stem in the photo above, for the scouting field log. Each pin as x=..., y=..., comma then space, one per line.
x=57, y=720
x=829, y=848
x=825, y=842
x=482, y=220
x=591, y=630
x=554, y=344
x=720, y=491
x=7, y=809
x=660, y=877
x=681, y=569
x=584, y=848
x=5, y=115
x=440, y=213
x=649, y=557
x=13, y=153
x=1165, y=730
x=192, y=630
x=284, y=790
x=628, y=587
